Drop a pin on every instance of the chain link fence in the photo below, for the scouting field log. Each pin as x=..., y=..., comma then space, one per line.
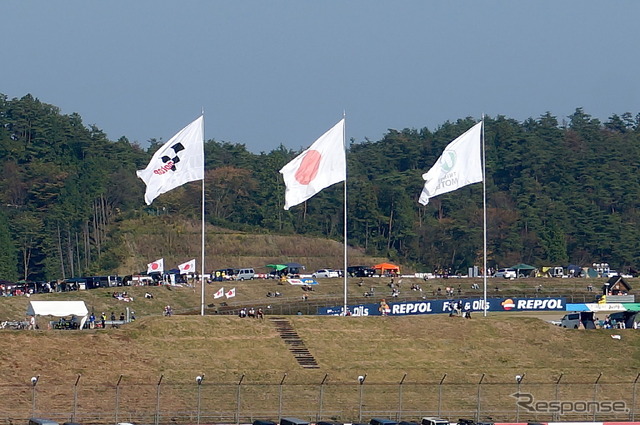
x=209, y=402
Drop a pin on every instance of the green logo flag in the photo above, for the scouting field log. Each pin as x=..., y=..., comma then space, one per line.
x=459, y=165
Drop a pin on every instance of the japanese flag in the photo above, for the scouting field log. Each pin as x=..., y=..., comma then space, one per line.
x=219, y=294
x=188, y=267
x=156, y=267
x=231, y=293
x=320, y=166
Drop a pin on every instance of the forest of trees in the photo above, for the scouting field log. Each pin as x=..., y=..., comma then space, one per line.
x=557, y=193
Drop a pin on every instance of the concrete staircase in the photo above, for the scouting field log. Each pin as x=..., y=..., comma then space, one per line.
x=294, y=343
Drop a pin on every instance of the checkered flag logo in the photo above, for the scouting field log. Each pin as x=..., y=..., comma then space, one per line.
x=163, y=173
x=176, y=148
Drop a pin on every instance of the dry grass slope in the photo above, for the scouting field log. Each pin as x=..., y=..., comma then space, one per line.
x=149, y=238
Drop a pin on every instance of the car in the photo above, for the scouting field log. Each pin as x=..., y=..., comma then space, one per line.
x=434, y=421
x=382, y=421
x=246, y=273
x=506, y=273
x=360, y=271
x=325, y=273
x=570, y=320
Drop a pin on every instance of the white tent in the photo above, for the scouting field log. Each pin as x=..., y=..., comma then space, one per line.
x=59, y=309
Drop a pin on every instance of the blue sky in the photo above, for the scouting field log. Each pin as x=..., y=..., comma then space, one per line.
x=282, y=72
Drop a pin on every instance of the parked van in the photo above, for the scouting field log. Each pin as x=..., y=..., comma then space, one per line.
x=245, y=274
x=434, y=421
x=570, y=320
x=293, y=421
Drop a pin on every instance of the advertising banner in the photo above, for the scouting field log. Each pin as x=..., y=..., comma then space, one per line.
x=447, y=306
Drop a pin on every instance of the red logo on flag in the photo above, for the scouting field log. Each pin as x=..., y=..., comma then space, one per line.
x=309, y=167
x=155, y=266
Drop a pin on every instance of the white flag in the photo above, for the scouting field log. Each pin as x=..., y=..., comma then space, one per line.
x=231, y=293
x=219, y=293
x=459, y=165
x=320, y=166
x=188, y=267
x=156, y=267
x=177, y=162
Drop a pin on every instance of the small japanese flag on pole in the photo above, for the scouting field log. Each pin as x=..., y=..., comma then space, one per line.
x=320, y=166
x=156, y=267
x=231, y=293
x=188, y=267
x=219, y=293
x=177, y=162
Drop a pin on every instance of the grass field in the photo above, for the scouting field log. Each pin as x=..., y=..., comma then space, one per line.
x=417, y=349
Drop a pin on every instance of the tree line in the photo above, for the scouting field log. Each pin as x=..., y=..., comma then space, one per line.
x=557, y=193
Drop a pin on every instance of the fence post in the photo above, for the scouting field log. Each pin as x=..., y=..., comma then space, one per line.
x=199, y=380
x=75, y=399
x=361, y=380
x=280, y=397
x=321, y=398
x=34, y=382
x=157, y=419
x=519, y=379
x=556, y=416
x=477, y=398
x=633, y=405
x=118, y=399
x=238, y=400
x=399, y=416
x=440, y=394
x=595, y=394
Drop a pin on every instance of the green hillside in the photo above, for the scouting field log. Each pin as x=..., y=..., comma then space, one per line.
x=558, y=193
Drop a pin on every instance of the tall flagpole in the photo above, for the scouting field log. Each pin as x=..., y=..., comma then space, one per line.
x=484, y=209
x=202, y=246
x=344, y=270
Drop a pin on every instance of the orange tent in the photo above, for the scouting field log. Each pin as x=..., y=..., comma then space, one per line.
x=385, y=268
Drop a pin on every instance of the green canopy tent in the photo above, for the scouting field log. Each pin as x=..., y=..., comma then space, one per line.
x=523, y=269
x=277, y=267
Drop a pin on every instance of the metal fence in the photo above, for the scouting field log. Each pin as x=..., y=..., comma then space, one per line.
x=208, y=402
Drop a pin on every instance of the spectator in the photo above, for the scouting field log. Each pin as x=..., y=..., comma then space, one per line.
x=467, y=312
x=384, y=307
x=113, y=319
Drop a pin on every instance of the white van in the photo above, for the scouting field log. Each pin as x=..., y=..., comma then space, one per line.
x=245, y=274
x=571, y=321
x=434, y=421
